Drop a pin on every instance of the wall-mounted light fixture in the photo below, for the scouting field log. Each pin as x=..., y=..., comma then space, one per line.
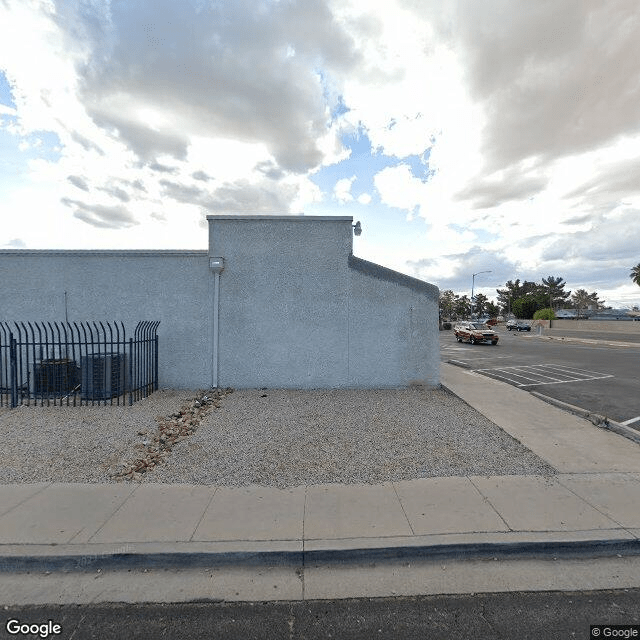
x=357, y=228
x=216, y=264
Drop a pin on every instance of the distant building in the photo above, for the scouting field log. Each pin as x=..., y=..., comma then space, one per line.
x=597, y=314
x=562, y=314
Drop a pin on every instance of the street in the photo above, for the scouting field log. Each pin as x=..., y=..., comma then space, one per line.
x=525, y=616
x=600, y=378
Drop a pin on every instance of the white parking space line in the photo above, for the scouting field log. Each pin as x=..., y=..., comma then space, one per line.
x=536, y=375
x=462, y=362
x=631, y=421
x=472, y=359
x=544, y=371
x=550, y=372
x=512, y=376
x=575, y=380
x=533, y=377
x=572, y=369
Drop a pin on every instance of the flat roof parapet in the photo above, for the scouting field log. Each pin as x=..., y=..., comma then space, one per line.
x=180, y=253
x=389, y=275
x=295, y=217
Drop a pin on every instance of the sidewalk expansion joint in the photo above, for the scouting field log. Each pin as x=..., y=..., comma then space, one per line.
x=33, y=495
x=113, y=513
x=506, y=524
x=406, y=517
x=213, y=495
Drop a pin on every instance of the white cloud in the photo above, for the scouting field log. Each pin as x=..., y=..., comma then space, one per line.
x=525, y=112
x=524, y=134
x=342, y=190
x=398, y=187
x=140, y=92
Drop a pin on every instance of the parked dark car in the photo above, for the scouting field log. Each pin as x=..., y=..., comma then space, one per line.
x=518, y=325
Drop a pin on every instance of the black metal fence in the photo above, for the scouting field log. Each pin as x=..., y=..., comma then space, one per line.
x=76, y=363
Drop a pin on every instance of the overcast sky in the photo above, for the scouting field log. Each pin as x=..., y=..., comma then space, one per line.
x=466, y=136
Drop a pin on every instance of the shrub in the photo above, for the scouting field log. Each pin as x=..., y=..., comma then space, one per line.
x=446, y=325
x=544, y=314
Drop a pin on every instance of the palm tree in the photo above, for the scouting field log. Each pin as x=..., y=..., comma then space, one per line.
x=635, y=274
x=582, y=299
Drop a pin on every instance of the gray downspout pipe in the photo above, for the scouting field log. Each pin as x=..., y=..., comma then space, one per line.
x=216, y=265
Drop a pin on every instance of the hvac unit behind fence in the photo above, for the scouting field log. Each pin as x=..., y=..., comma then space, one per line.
x=102, y=375
x=55, y=377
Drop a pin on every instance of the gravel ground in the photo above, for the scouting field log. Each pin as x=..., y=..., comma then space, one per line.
x=278, y=438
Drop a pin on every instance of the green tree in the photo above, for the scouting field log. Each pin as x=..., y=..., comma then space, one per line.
x=447, y=303
x=525, y=307
x=514, y=290
x=479, y=304
x=581, y=299
x=462, y=307
x=635, y=274
x=492, y=309
x=555, y=290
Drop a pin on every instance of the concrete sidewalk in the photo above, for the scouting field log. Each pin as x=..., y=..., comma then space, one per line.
x=591, y=508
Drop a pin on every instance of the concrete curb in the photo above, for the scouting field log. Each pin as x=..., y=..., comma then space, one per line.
x=444, y=552
x=595, y=418
x=611, y=343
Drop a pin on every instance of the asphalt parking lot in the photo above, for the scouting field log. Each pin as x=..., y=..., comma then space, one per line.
x=595, y=374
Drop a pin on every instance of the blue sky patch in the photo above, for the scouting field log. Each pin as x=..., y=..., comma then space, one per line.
x=364, y=163
x=6, y=95
x=14, y=162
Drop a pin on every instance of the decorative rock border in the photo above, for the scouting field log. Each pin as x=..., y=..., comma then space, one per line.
x=171, y=429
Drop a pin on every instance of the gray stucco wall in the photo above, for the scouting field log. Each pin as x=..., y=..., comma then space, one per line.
x=174, y=287
x=296, y=308
x=283, y=300
x=393, y=328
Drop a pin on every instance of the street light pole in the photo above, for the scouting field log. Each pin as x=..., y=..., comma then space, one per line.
x=473, y=282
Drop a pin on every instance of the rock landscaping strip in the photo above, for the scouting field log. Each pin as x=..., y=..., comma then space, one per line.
x=78, y=444
x=288, y=438
x=270, y=437
x=171, y=429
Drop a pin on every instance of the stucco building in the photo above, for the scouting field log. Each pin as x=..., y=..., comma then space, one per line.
x=275, y=301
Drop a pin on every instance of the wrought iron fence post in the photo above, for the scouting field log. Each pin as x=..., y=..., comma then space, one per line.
x=130, y=371
x=13, y=364
x=155, y=372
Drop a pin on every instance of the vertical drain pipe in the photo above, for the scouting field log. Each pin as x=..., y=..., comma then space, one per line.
x=216, y=265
